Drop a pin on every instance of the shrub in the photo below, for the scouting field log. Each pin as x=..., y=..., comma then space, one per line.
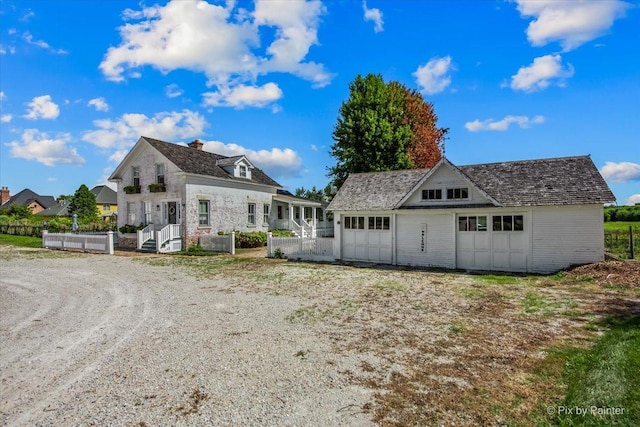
x=130, y=228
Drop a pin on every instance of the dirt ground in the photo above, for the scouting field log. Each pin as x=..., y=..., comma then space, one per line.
x=244, y=340
x=613, y=273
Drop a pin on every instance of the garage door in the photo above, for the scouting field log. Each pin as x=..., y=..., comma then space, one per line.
x=366, y=238
x=492, y=242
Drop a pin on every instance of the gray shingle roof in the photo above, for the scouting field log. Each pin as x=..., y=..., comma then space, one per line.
x=199, y=162
x=105, y=195
x=375, y=190
x=543, y=182
x=26, y=197
x=559, y=181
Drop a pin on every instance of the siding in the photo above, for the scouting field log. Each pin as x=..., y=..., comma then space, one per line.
x=563, y=236
x=442, y=179
x=439, y=248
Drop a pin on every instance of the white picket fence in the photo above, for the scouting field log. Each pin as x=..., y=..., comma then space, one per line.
x=307, y=248
x=102, y=243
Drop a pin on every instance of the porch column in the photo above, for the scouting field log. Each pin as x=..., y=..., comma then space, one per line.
x=314, y=232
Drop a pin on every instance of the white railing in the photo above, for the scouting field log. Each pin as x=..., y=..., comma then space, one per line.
x=168, y=235
x=223, y=243
x=144, y=235
x=307, y=229
x=102, y=243
x=311, y=249
x=281, y=224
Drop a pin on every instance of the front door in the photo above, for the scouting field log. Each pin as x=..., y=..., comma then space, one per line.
x=172, y=213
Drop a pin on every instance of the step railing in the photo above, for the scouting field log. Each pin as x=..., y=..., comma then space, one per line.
x=144, y=235
x=166, y=235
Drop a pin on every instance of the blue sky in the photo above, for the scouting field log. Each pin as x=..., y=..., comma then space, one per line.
x=81, y=81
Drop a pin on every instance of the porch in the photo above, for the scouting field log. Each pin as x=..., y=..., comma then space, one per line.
x=159, y=239
x=303, y=217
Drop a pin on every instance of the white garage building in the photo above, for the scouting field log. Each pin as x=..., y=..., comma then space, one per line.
x=525, y=216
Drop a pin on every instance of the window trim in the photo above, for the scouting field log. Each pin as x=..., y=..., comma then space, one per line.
x=160, y=177
x=516, y=222
x=207, y=203
x=251, y=216
x=463, y=193
x=431, y=194
x=135, y=176
x=266, y=212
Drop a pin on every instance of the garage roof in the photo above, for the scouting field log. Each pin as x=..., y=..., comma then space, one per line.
x=541, y=182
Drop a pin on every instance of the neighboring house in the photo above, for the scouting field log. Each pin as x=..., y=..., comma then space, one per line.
x=26, y=197
x=192, y=193
x=59, y=209
x=524, y=216
x=107, y=201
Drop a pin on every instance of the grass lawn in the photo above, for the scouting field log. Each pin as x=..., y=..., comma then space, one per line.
x=621, y=226
x=21, y=241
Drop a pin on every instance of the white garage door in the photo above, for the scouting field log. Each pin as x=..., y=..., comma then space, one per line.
x=366, y=238
x=492, y=242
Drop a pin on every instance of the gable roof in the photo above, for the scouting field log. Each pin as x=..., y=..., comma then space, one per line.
x=542, y=182
x=105, y=195
x=59, y=209
x=26, y=197
x=191, y=160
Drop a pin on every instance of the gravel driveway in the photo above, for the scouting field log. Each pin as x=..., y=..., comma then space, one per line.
x=95, y=339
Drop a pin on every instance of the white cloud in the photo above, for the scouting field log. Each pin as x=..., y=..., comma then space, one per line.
x=314, y=148
x=541, y=74
x=276, y=162
x=6, y=118
x=173, y=91
x=502, y=125
x=221, y=41
x=633, y=200
x=42, y=107
x=242, y=96
x=100, y=104
x=3, y=97
x=40, y=147
x=374, y=15
x=433, y=77
x=122, y=133
x=571, y=23
x=28, y=37
x=621, y=172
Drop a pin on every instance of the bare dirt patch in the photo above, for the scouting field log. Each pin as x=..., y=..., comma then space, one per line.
x=612, y=273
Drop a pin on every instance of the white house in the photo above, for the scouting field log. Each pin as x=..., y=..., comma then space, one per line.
x=524, y=216
x=186, y=192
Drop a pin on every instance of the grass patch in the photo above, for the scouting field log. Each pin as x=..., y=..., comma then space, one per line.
x=493, y=279
x=535, y=304
x=602, y=377
x=21, y=241
x=390, y=286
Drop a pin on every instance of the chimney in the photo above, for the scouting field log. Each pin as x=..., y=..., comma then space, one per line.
x=196, y=143
x=5, y=196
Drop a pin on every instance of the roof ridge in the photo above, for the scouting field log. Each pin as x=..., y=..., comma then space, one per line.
x=546, y=159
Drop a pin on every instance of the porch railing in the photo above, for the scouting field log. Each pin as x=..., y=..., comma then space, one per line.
x=144, y=235
x=167, y=234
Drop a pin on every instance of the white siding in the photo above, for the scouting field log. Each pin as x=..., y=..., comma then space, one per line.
x=442, y=179
x=439, y=248
x=563, y=236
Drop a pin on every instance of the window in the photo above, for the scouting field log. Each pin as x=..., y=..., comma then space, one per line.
x=203, y=213
x=508, y=223
x=378, y=223
x=433, y=194
x=106, y=207
x=135, y=176
x=354, y=223
x=265, y=214
x=160, y=173
x=243, y=171
x=457, y=193
x=472, y=223
x=252, y=213
x=131, y=213
x=146, y=206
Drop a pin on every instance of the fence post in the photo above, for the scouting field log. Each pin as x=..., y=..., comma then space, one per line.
x=269, y=244
x=110, y=242
x=44, y=238
x=300, y=243
x=631, y=254
x=232, y=243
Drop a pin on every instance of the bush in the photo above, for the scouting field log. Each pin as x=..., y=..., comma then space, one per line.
x=130, y=228
x=254, y=239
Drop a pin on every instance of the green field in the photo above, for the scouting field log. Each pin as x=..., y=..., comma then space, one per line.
x=22, y=241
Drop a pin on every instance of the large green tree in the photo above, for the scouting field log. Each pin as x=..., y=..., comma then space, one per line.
x=383, y=126
x=83, y=203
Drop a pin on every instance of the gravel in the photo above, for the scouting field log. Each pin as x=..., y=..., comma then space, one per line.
x=105, y=340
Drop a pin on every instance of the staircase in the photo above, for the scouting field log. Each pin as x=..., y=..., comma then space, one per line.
x=148, y=246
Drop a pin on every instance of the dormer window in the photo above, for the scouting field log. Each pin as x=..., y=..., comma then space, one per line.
x=243, y=171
